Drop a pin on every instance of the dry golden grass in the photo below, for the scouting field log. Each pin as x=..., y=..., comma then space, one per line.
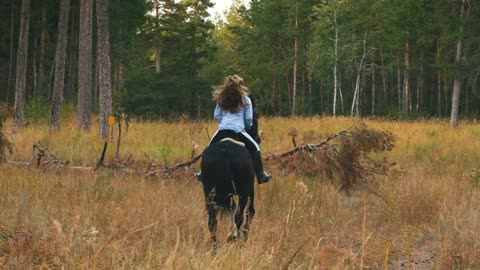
x=54, y=218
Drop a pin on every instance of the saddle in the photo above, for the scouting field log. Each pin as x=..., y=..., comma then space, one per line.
x=233, y=141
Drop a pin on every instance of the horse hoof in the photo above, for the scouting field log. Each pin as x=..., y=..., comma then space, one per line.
x=232, y=238
x=245, y=235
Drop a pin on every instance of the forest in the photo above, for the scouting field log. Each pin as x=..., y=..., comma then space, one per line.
x=159, y=59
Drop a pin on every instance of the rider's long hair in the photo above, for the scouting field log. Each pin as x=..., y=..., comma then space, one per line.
x=230, y=94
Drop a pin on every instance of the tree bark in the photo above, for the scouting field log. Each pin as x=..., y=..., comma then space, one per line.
x=457, y=83
x=104, y=66
x=85, y=65
x=21, y=74
x=60, y=58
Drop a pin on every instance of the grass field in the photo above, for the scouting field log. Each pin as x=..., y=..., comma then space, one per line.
x=424, y=214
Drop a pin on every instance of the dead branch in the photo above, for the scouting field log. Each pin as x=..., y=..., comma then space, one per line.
x=39, y=153
x=307, y=147
x=102, y=157
x=175, y=167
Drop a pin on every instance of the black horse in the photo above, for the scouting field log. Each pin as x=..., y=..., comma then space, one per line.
x=228, y=170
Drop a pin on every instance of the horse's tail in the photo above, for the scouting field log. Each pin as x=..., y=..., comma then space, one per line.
x=225, y=189
x=217, y=173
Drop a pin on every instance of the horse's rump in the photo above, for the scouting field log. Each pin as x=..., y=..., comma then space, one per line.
x=228, y=167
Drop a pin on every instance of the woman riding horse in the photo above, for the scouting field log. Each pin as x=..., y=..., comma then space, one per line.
x=234, y=112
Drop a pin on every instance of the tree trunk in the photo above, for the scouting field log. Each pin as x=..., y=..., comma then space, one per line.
x=421, y=87
x=41, y=58
x=295, y=63
x=356, y=92
x=158, y=62
x=85, y=65
x=321, y=96
x=60, y=57
x=439, y=80
x=21, y=74
x=289, y=91
x=72, y=72
x=384, y=79
x=373, y=88
x=406, y=80
x=335, y=56
x=104, y=66
x=457, y=83
x=11, y=61
x=274, y=86
x=399, y=85
x=310, y=90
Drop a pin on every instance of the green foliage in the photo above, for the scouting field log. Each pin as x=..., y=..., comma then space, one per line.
x=152, y=96
x=37, y=109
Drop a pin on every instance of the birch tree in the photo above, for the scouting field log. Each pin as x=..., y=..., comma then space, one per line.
x=356, y=92
x=457, y=83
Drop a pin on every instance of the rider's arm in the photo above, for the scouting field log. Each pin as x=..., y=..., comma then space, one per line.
x=248, y=113
x=218, y=113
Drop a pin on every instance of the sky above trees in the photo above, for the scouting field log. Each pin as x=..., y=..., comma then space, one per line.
x=221, y=6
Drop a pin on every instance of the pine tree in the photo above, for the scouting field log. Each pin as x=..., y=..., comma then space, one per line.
x=104, y=66
x=60, y=57
x=85, y=65
x=21, y=74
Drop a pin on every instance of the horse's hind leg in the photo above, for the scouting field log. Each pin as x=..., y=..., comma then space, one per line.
x=212, y=223
x=233, y=235
x=249, y=216
x=212, y=217
x=242, y=203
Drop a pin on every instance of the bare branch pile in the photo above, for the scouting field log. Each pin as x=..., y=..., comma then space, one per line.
x=345, y=158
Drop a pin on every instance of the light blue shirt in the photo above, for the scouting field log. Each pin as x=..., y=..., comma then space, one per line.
x=237, y=122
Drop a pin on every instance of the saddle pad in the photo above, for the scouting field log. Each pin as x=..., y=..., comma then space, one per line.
x=233, y=141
